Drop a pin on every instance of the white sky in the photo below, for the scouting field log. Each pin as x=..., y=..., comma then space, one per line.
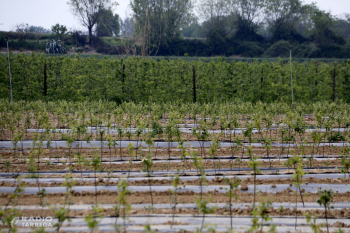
x=46, y=13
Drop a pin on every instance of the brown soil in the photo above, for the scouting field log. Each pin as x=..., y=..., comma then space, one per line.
x=110, y=197
x=21, y=163
x=216, y=181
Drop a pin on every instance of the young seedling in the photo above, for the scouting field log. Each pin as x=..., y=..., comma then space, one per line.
x=316, y=137
x=131, y=156
x=203, y=207
x=326, y=197
x=95, y=164
x=120, y=133
x=254, y=164
x=122, y=202
x=316, y=228
x=261, y=211
x=42, y=194
x=297, y=180
x=201, y=136
x=80, y=160
x=101, y=133
x=169, y=130
x=267, y=146
x=176, y=182
x=232, y=185
x=93, y=220
x=239, y=162
x=345, y=161
x=62, y=213
x=138, y=133
x=214, y=145
x=148, y=229
x=202, y=179
x=147, y=164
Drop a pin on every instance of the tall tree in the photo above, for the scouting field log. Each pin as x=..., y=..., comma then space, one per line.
x=214, y=13
x=321, y=33
x=88, y=11
x=250, y=14
x=59, y=30
x=107, y=24
x=38, y=29
x=342, y=26
x=282, y=17
x=126, y=26
x=158, y=21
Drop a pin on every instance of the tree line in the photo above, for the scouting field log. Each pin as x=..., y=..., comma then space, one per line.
x=248, y=28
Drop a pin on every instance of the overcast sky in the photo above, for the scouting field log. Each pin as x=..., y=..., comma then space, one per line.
x=46, y=13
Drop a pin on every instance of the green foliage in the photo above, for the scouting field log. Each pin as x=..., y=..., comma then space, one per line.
x=59, y=30
x=166, y=81
x=316, y=228
x=325, y=198
x=93, y=220
x=278, y=49
x=336, y=137
x=202, y=205
x=107, y=23
x=261, y=211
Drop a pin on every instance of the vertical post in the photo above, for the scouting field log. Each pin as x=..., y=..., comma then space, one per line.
x=291, y=72
x=194, y=84
x=123, y=78
x=8, y=51
x=333, y=96
x=45, y=79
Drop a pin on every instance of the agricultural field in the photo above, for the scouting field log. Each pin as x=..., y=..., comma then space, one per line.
x=174, y=167
x=37, y=77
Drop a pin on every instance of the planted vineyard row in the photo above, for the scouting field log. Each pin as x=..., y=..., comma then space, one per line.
x=139, y=80
x=175, y=167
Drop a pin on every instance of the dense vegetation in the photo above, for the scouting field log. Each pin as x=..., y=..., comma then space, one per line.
x=245, y=28
x=134, y=79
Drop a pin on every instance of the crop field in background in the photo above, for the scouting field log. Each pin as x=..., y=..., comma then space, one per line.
x=174, y=167
x=37, y=77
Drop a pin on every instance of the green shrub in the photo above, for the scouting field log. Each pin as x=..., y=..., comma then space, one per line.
x=278, y=49
x=336, y=137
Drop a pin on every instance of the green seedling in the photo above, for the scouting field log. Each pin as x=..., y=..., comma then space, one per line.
x=316, y=228
x=176, y=182
x=261, y=211
x=232, y=185
x=325, y=198
x=203, y=207
x=147, y=164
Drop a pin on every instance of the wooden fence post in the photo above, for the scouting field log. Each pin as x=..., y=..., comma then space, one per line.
x=45, y=79
x=194, y=84
x=123, y=79
x=333, y=96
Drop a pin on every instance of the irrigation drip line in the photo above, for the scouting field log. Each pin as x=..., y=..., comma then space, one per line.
x=183, y=178
x=161, y=144
x=311, y=188
x=208, y=171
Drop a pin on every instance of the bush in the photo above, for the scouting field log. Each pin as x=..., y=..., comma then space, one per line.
x=97, y=42
x=333, y=51
x=249, y=49
x=336, y=137
x=78, y=38
x=305, y=50
x=278, y=49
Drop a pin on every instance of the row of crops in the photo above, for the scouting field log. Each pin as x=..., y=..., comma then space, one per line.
x=174, y=167
x=144, y=79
